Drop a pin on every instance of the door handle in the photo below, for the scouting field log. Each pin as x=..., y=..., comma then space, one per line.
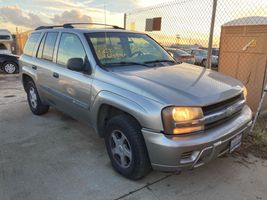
x=56, y=75
x=34, y=67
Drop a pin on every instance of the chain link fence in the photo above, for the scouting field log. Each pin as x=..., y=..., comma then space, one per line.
x=239, y=36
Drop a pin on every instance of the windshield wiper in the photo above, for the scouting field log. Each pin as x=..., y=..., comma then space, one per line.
x=127, y=63
x=157, y=61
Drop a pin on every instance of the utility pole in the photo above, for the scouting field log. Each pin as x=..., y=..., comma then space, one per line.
x=178, y=39
x=211, y=34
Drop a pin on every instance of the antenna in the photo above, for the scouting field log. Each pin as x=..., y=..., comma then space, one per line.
x=105, y=14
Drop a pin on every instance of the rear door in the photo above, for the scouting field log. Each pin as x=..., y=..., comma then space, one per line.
x=45, y=67
x=73, y=87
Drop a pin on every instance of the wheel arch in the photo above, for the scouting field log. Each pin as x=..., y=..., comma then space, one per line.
x=105, y=113
x=25, y=79
x=107, y=105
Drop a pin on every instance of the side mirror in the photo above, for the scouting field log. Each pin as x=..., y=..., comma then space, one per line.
x=265, y=89
x=75, y=64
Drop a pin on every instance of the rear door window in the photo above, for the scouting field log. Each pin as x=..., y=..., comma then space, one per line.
x=31, y=43
x=49, y=46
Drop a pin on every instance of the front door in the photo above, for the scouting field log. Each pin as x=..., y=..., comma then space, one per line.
x=73, y=87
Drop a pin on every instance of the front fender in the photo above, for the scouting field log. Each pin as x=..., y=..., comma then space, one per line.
x=147, y=113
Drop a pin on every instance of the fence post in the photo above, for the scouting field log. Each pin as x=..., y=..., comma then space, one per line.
x=124, y=22
x=258, y=109
x=208, y=64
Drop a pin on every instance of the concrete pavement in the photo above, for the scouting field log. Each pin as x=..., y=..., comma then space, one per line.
x=55, y=157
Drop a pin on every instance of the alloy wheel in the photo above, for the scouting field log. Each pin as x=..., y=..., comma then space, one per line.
x=10, y=68
x=33, y=97
x=121, y=149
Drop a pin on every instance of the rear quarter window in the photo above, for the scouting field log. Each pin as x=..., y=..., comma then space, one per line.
x=31, y=43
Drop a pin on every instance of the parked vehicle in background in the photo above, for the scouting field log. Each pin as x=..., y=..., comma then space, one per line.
x=9, y=63
x=181, y=56
x=6, y=40
x=201, y=57
x=215, y=51
x=152, y=111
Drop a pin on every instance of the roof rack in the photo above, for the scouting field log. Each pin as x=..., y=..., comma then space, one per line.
x=47, y=27
x=72, y=25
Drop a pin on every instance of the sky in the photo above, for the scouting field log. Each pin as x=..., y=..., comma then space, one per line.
x=190, y=19
x=28, y=14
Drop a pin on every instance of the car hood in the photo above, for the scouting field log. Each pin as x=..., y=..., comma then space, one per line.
x=182, y=85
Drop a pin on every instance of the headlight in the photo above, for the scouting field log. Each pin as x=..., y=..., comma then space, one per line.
x=245, y=93
x=181, y=120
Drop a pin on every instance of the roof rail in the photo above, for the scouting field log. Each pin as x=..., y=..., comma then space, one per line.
x=71, y=25
x=47, y=27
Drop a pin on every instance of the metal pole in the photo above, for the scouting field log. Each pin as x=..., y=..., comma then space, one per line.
x=125, y=17
x=208, y=65
x=259, y=109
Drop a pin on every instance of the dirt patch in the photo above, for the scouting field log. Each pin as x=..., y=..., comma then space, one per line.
x=256, y=143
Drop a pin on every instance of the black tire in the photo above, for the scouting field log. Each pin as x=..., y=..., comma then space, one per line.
x=9, y=70
x=204, y=63
x=39, y=108
x=139, y=166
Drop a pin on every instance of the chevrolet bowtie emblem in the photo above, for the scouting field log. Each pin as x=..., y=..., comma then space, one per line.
x=230, y=111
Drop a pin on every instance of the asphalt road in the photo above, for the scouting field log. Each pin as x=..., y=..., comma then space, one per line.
x=55, y=157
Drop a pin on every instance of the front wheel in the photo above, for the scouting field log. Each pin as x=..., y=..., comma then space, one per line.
x=10, y=67
x=126, y=147
x=34, y=101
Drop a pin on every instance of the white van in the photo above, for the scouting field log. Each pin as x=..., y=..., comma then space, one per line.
x=5, y=41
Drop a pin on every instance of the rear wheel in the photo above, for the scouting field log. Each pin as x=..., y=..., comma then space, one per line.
x=126, y=147
x=10, y=67
x=34, y=101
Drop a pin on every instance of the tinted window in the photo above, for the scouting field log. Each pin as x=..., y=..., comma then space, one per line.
x=49, y=46
x=70, y=46
x=5, y=37
x=31, y=42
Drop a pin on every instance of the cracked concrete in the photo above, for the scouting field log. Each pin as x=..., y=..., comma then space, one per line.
x=55, y=157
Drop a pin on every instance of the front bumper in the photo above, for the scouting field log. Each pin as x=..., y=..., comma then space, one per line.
x=171, y=153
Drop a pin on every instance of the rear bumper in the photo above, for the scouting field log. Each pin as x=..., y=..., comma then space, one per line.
x=171, y=153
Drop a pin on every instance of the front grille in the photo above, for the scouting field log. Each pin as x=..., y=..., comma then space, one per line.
x=222, y=106
x=221, y=121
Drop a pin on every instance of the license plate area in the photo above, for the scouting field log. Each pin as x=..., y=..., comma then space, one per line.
x=235, y=142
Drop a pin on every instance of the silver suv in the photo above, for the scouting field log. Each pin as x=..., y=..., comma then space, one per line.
x=152, y=112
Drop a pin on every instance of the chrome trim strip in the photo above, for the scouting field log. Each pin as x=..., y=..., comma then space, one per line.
x=218, y=143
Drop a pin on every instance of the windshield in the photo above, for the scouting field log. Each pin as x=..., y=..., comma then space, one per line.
x=126, y=48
